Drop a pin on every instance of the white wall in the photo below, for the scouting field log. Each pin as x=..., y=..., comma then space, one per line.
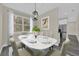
x=5, y=29
x=53, y=23
x=64, y=21
x=0, y=24
x=4, y=35
x=72, y=25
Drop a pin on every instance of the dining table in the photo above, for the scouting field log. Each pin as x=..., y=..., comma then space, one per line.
x=39, y=45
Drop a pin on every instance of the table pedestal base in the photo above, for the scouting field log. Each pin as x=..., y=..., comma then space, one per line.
x=40, y=52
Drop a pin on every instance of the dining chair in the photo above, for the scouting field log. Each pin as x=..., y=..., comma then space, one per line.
x=71, y=48
x=16, y=51
x=5, y=50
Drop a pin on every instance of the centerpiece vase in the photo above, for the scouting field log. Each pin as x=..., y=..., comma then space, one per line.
x=35, y=34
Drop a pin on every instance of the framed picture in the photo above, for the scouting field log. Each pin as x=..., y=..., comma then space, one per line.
x=45, y=23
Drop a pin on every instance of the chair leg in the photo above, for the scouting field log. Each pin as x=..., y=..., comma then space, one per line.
x=51, y=48
x=23, y=46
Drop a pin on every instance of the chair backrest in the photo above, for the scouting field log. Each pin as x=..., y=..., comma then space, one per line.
x=5, y=50
x=15, y=50
x=73, y=39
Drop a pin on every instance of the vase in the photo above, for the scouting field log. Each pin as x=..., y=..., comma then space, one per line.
x=35, y=34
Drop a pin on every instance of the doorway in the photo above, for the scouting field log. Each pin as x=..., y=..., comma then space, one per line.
x=63, y=28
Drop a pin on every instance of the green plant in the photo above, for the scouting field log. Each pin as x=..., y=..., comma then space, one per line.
x=36, y=29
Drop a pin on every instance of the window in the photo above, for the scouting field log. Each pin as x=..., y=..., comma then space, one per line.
x=21, y=24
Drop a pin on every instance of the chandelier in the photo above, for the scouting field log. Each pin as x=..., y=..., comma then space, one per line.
x=35, y=14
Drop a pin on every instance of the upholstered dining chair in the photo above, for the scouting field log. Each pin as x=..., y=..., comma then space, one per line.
x=71, y=48
x=16, y=51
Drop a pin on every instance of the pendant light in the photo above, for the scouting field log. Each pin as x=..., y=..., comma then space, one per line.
x=35, y=14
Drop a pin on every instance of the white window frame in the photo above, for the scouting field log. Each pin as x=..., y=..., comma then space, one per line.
x=22, y=23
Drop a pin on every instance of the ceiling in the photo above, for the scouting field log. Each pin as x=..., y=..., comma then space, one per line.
x=43, y=7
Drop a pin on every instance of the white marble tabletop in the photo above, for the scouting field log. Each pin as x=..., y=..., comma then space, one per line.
x=40, y=43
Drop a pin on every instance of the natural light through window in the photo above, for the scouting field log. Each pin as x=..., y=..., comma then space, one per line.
x=12, y=23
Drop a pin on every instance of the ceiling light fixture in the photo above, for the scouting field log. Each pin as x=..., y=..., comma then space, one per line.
x=35, y=14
